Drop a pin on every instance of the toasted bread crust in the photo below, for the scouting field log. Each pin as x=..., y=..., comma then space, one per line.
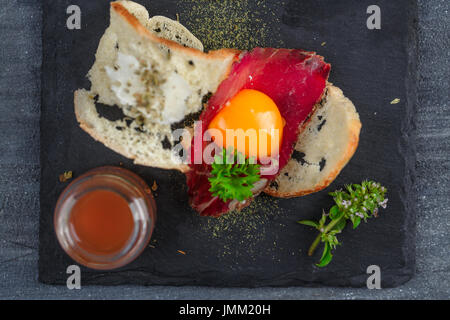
x=140, y=29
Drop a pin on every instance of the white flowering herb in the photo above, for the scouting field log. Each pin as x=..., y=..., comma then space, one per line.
x=358, y=202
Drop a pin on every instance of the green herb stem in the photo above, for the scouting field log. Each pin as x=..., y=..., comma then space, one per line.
x=314, y=246
x=317, y=240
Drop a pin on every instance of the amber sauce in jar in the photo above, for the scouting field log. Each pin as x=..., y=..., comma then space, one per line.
x=104, y=219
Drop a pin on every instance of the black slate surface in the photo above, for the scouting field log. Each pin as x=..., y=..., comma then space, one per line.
x=262, y=246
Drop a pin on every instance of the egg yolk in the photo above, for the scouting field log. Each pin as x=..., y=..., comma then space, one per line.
x=250, y=123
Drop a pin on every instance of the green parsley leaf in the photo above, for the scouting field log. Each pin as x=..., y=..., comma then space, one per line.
x=233, y=176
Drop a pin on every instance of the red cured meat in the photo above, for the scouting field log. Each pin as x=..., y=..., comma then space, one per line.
x=294, y=79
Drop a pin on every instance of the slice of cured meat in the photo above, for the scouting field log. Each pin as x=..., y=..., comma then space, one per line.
x=294, y=79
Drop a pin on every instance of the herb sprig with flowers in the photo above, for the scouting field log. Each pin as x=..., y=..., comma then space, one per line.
x=358, y=202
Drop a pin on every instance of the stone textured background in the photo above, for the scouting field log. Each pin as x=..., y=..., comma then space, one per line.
x=20, y=61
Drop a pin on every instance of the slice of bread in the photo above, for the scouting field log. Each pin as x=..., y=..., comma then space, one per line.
x=325, y=145
x=162, y=26
x=157, y=83
x=173, y=30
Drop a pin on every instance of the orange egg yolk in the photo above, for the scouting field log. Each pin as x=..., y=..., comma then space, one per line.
x=250, y=123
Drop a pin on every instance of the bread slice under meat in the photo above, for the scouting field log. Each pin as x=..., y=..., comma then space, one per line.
x=326, y=143
x=155, y=82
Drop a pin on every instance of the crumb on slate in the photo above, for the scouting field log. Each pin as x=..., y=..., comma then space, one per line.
x=66, y=176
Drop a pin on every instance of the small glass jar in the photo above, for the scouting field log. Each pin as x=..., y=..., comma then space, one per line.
x=123, y=183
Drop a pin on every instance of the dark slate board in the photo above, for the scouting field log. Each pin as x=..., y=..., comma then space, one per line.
x=262, y=246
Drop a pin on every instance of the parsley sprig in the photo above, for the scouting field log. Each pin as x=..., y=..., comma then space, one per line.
x=358, y=202
x=233, y=176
